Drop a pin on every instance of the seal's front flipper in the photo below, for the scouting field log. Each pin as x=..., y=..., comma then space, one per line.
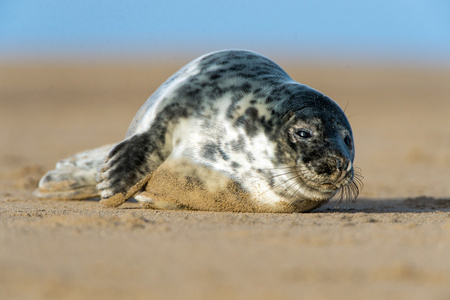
x=128, y=167
x=74, y=178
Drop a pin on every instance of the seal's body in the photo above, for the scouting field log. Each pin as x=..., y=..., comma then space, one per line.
x=229, y=131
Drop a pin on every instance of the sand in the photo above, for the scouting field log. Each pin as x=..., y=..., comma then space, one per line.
x=393, y=243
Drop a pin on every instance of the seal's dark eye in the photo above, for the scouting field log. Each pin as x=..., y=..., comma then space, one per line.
x=303, y=134
x=348, y=142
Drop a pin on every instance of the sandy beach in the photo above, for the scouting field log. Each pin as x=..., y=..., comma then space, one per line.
x=393, y=243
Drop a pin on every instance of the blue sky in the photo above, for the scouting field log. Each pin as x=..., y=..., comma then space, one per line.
x=394, y=29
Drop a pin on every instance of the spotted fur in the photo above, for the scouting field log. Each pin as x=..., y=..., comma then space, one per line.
x=238, y=114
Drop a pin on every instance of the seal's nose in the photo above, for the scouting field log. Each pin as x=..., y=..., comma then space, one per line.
x=343, y=168
x=334, y=165
x=343, y=164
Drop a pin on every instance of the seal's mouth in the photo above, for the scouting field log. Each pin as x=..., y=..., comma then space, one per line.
x=298, y=183
x=344, y=183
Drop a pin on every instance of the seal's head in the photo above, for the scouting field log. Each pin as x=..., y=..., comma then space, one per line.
x=320, y=148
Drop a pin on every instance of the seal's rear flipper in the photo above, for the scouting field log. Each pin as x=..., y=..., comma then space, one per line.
x=74, y=178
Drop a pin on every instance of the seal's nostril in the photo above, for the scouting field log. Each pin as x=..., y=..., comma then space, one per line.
x=349, y=166
x=345, y=165
x=342, y=164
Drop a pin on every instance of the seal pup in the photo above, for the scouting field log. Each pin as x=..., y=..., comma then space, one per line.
x=230, y=131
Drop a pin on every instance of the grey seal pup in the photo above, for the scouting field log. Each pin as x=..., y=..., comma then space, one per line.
x=230, y=131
